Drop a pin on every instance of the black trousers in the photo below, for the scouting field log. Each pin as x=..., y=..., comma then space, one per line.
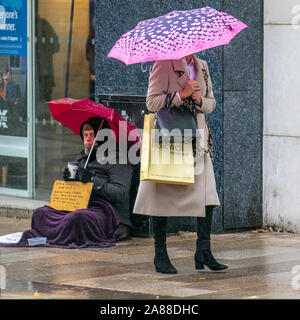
x=203, y=230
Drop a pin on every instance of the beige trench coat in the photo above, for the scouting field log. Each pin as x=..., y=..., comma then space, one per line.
x=160, y=199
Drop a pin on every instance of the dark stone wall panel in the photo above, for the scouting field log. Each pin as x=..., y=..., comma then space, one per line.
x=243, y=57
x=242, y=160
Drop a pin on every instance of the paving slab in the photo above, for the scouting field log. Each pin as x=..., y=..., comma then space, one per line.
x=262, y=265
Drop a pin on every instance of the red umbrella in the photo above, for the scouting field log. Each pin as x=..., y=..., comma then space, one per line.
x=73, y=113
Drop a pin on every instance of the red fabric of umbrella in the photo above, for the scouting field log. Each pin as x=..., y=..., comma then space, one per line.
x=72, y=113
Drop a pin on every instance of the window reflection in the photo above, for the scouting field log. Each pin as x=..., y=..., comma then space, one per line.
x=46, y=45
x=13, y=173
x=90, y=56
x=13, y=98
x=13, y=122
x=56, y=145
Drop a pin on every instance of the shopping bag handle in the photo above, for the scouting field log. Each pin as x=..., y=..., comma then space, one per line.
x=169, y=100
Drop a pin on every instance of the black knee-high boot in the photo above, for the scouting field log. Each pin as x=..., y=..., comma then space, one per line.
x=203, y=254
x=161, y=260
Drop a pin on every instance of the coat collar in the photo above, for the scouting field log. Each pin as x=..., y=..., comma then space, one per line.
x=199, y=64
x=178, y=66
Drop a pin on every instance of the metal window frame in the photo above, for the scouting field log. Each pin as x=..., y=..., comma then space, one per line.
x=30, y=98
x=28, y=149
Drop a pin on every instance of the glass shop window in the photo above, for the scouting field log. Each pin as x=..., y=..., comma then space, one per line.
x=64, y=65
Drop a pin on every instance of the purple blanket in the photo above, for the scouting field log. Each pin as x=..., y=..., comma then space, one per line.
x=91, y=227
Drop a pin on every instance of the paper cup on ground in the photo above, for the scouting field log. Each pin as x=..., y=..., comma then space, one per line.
x=73, y=167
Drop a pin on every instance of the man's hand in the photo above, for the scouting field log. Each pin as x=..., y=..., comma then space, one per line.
x=190, y=87
x=66, y=174
x=85, y=176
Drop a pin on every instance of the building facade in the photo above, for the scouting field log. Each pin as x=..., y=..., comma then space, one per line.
x=237, y=76
x=65, y=55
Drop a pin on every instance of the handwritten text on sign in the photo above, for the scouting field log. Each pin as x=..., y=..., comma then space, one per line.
x=70, y=195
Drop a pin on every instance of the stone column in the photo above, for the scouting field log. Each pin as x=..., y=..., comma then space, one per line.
x=281, y=136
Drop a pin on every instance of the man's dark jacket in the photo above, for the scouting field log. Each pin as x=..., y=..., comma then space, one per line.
x=112, y=182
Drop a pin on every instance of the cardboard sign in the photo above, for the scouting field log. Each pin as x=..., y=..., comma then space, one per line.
x=70, y=195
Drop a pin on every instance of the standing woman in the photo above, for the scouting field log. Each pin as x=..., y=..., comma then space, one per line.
x=2, y=88
x=189, y=78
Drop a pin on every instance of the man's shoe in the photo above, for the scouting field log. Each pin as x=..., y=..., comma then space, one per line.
x=122, y=232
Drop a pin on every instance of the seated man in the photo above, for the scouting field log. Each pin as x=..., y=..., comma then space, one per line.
x=111, y=181
x=107, y=217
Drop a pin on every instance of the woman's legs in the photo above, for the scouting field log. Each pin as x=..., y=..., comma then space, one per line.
x=161, y=260
x=203, y=255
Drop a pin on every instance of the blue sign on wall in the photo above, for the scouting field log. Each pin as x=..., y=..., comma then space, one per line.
x=13, y=27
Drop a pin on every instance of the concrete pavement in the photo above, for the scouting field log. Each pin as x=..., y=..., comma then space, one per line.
x=261, y=265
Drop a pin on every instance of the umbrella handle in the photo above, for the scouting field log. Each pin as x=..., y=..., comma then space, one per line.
x=88, y=158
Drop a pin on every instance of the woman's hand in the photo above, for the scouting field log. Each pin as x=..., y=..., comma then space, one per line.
x=190, y=87
x=197, y=96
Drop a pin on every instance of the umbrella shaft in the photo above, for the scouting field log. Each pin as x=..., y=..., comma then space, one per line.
x=88, y=158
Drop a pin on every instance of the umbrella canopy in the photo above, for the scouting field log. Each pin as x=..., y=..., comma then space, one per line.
x=73, y=113
x=176, y=35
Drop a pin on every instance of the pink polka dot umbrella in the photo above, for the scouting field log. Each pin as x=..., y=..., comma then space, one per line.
x=176, y=35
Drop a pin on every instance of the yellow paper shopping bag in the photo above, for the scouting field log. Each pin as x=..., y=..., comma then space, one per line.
x=165, y=162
